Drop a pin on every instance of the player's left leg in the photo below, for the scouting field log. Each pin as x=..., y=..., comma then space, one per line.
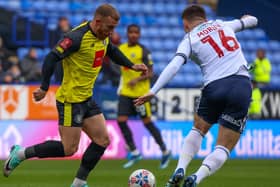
x=95, y=128
x=232, y=121
x=94, y=125
x=145, y=113
x=227, y=138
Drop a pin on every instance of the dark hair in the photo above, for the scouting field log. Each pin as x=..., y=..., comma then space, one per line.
x=106, y=10
x=193, y=12
x=133, y=25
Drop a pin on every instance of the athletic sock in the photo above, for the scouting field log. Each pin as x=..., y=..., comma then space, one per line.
x=156, y=134
x=47, y=149
x=212, y=162
x=90, y=158
x=135, y=152
x=191, y=146
x=127, y=134
x=78, y=182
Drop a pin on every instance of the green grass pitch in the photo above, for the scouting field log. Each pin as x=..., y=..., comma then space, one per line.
x=109, y=173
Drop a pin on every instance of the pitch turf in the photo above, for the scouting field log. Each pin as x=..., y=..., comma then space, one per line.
x=109, y=173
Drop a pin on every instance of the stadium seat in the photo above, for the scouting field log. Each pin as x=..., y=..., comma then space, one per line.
x=276, y=57
x=259, y=34
x=274, y=45
x=155, y=44
x=147, y=8
x=21, y=52
x=159, y=8
x=179, y=80
x=262, y=44
x=251, y=45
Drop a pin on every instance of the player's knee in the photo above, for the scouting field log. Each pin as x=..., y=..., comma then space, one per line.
x=70, y=150
x=104, y=141
x=146, y=120
x=201, y=125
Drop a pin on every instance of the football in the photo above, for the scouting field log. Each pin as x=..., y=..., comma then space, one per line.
x=142, y=178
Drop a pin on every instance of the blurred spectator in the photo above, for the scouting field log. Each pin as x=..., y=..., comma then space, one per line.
x=4, y=56
x=13, y=75
x=261, y=68
x=63, y=27
x=111, y=71
x=256, y=103
x=31, y=70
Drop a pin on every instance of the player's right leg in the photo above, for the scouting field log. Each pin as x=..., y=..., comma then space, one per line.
x=47, y=149
x=190, y=147
x=125, y=109
x=70, y=136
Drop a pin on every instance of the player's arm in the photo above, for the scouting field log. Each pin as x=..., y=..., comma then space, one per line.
x=64, y=48
x=180, y=58
x=147, y=60
x=245, y=22
x=119, y=58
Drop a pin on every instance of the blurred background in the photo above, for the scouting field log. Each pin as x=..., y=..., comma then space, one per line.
x=30, y=28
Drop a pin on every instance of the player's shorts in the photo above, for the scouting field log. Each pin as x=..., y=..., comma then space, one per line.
x=73, y=114
x=126, y=108
x=226, y=101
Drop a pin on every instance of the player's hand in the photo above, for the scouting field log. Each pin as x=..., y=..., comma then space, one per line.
x=244, y=16
x=39, y=94
x=140, y=67
x=141, y=100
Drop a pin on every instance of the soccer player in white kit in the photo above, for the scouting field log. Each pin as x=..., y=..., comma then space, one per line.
x=226, y=92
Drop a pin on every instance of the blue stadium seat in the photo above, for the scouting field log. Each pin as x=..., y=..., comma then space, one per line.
x=165, y=32
x=147, y=8
x=262, y=44
x=171, y=8
x=251, y=45
x=156, y=44
x=169, y=45
x=153, y=32
x=150, y=20
x=247, y=34
x=13, y=4
x=259, y=34
x=179, y=80
x=38, y=5
x=21, y=52
x=50, y=5
x=159, y=8
x=62, y=6
x=276, y=57
x=274, y=45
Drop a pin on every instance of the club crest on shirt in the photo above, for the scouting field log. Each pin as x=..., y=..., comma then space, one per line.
x=132, y=55
x=65, y=43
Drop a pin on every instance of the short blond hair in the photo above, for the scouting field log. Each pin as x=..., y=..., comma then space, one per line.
x=106, y=10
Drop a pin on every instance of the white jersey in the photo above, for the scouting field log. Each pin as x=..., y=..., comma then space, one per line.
x=214, y=47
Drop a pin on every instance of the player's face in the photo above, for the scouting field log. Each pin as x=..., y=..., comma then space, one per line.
x=105, y=27
x=133, y=35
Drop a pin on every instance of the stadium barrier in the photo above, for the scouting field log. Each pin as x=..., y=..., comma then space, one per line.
x=173, y=104
x=261, y=139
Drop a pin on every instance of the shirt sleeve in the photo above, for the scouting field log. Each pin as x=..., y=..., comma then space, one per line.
x=147, y=57
x=68, y=44
x=243, y=23
x=184, y=48
x=117, y=56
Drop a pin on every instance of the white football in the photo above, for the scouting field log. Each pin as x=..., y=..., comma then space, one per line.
x=142, y=178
